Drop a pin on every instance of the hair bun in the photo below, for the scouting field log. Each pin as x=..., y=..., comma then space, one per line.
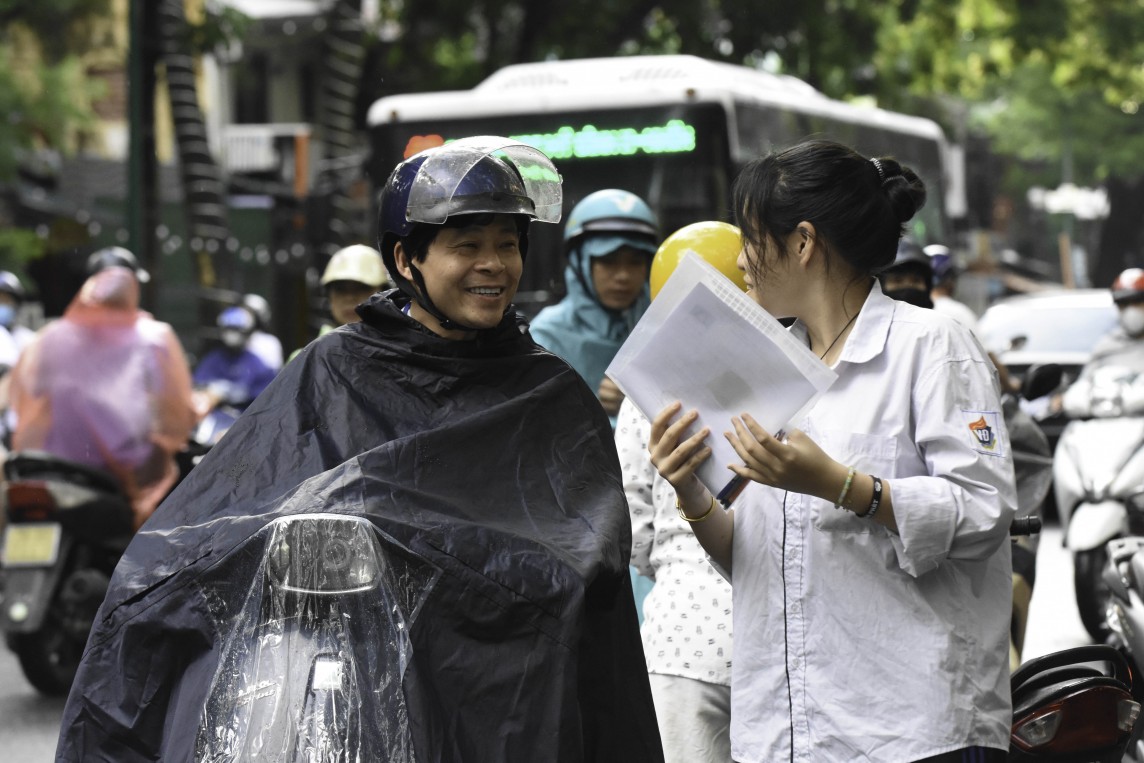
x=904, y=189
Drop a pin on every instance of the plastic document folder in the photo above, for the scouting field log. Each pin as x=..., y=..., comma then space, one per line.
x=707, y=344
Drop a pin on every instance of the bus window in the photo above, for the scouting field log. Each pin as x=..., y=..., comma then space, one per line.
x=763, y=128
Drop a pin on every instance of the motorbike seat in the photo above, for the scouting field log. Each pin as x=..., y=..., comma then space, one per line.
x=34, y=464
x=1065, y=683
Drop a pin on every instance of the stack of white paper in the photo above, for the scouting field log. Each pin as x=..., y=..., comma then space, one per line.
x=707, y=344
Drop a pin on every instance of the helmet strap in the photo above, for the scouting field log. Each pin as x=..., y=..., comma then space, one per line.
x=421, y=296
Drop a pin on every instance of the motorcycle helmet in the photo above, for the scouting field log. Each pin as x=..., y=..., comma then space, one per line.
x=612, y=214
x=480, y=175
x=10, y=285
x=718, y=243
x=910, y=276
x=235, y=324
x=116, y=256
x=358, y=263
x=603, y=222
x=1128, y=286
x=941, y=261
x=258, y=305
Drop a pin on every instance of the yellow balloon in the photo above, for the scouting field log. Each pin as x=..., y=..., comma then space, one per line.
x=717, y=242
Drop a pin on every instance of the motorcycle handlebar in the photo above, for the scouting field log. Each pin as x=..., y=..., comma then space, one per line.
x=1025, y=526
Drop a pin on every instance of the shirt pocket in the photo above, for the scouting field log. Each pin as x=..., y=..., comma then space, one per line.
x=868, y=454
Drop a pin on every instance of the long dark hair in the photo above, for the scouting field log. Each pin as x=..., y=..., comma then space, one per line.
x=857, y=205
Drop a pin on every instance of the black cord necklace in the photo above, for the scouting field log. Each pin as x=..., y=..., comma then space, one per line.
x=839, y=336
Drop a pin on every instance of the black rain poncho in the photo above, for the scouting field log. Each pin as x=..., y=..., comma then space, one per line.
x=497, y=623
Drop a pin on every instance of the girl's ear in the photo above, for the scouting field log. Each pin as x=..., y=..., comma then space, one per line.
x=806, y=243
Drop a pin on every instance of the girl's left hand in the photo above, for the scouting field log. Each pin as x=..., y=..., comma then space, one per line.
x=796, y=464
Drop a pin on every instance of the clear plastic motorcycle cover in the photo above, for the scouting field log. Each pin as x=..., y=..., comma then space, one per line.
x=486, y=475
x=442, y=172
x=313, y=657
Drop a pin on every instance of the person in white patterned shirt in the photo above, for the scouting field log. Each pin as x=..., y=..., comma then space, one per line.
x=687, y=615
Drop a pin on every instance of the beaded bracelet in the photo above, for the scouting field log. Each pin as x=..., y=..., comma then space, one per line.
x=845, y=488
x=686, y=518
x=875, y=498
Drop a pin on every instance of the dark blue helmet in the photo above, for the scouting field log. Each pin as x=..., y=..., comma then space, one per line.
x=481, y=175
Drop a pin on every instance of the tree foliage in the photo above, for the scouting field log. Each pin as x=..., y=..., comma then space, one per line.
x=44, y=89
x=1052, y=79
x=446, y=44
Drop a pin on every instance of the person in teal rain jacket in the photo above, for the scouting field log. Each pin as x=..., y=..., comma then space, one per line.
x=610, y=239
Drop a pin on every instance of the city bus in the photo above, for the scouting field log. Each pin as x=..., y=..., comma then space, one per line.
x=672, y=129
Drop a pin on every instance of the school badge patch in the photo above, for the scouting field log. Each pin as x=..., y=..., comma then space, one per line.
x=984, y=429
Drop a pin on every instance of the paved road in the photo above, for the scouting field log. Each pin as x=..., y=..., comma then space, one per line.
x=29, y=724
x=1054, y=622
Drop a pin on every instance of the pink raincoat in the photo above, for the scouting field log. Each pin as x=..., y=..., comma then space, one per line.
x=107, y=385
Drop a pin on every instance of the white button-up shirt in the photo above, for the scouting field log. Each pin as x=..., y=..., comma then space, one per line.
x=857, y=644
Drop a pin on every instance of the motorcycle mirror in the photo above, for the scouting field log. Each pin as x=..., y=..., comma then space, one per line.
x=1040, y=380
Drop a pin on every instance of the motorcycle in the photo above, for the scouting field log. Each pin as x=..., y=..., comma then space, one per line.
x=313, y=656
x=67, y=526
x=1098, y=475
x=214, y=419
x=1078, y=705
x=1124, y=577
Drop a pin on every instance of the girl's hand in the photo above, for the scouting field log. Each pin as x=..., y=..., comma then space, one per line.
x=796, y=464
x=676, y=460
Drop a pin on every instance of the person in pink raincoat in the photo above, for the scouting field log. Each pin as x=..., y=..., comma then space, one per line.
x=107, y=385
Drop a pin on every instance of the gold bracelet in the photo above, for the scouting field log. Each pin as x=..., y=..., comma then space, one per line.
x=686, y=518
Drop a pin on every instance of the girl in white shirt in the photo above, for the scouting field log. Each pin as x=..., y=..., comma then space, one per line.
x=869, y=556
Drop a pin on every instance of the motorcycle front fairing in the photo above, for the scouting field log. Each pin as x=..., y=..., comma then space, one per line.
x=1092, y=459
x=312, y=658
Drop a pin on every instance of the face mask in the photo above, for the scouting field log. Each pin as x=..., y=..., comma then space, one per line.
x=233, y=339
x=7, y=315
x=918, y=297
x=1132, y=320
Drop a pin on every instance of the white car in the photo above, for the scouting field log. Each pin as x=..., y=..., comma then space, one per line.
x=1060, y=326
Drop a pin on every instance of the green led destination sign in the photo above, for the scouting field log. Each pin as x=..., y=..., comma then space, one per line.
x=675, y=137
x=587, y=142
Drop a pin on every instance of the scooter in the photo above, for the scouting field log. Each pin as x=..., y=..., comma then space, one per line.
x=312, y=657
x=1124, y=577
x=214, y=420
x=67, y=526
x=1078, y=705
x=1098, y=475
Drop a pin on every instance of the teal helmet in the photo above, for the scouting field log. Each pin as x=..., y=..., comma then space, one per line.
x=603, y=222
x=616, y=214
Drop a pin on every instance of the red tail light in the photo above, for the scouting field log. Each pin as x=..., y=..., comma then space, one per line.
x=30, y=502
x=1090, y=719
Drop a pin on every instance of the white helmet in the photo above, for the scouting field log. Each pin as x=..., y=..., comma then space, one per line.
x=359, y=263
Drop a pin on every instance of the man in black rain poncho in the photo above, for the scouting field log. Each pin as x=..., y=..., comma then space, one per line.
x=503, y=627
